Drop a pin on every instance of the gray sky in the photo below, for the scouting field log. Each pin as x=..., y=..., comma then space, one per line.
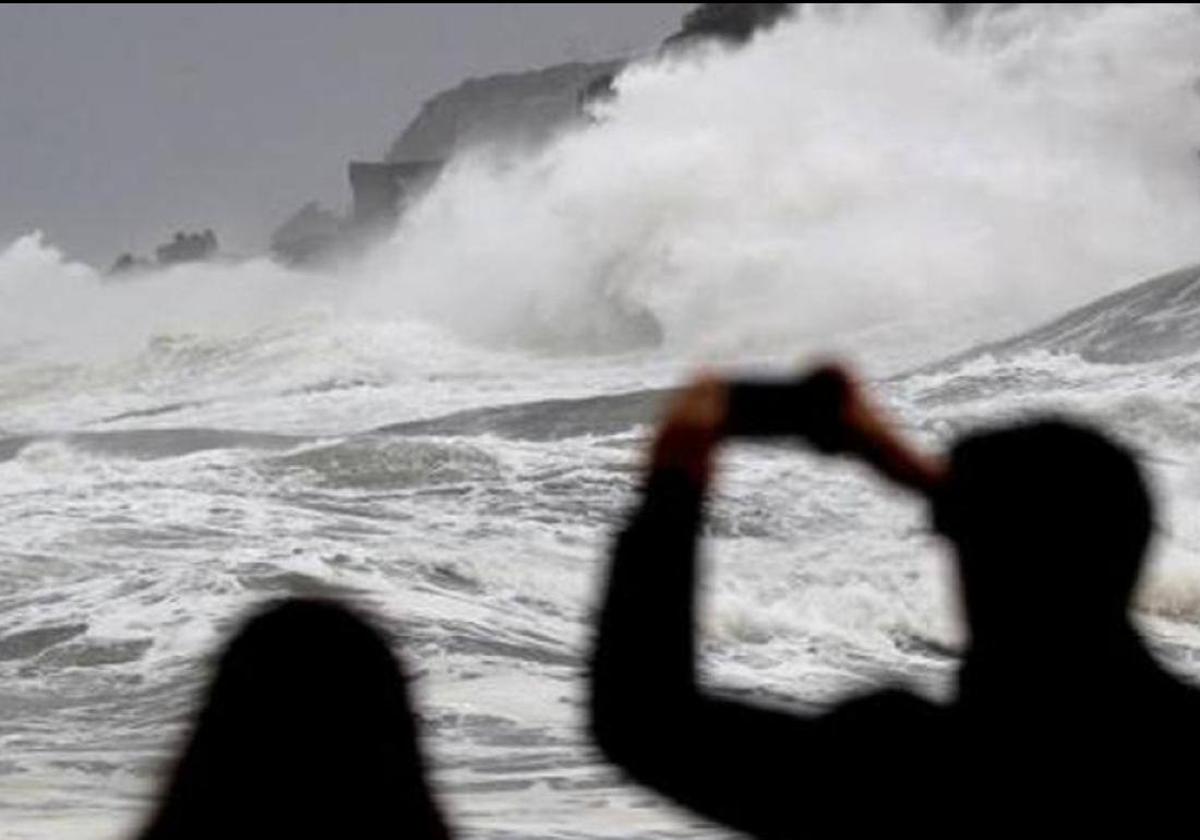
x=121, y=124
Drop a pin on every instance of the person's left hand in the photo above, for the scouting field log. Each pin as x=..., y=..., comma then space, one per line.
x=867, y=433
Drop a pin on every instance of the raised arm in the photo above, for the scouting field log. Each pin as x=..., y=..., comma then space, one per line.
x=743, y=765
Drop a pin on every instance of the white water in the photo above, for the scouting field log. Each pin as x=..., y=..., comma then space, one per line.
x=871, y=181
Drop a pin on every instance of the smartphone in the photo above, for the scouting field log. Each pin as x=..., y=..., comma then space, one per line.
x=807, y=407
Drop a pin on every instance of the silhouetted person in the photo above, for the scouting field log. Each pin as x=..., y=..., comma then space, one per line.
x=1061, y=718
x=307, y=732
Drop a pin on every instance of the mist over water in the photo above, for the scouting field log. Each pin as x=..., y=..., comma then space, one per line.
x=846, y=168
x=850, y=167
x=449, y=429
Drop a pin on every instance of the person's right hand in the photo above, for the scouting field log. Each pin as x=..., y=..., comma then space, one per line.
x=692, y=428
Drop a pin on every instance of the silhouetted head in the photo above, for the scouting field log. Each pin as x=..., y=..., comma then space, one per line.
x=307, y=731
x=1051, y=521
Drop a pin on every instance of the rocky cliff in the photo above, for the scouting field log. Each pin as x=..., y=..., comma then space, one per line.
x=526, y=109
x=511, y=109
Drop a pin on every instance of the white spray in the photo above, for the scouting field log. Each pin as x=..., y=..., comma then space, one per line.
x=846, y=169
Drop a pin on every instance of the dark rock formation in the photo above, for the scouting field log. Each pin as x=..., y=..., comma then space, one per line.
x=382, y=190
x=309, y=235
x=517, y=111
x=187, y=247
x=184, y=248
x=734, y=23
x=511, y=110
x=129, y=264
x=599, y=89
x=313, y=236
x=525, y=110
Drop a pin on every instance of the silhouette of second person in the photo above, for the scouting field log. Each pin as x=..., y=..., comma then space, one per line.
x=307, y=732
x=1061, y=717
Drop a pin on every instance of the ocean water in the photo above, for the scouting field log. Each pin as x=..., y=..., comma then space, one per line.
x=450, y=432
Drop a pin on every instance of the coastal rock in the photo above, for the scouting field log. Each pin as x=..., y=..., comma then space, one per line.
x=308, y=236
x=733, y=23
x=129, y=263
x=187, y=247
x=183, y=248
x=382, y=190
x=512, y=110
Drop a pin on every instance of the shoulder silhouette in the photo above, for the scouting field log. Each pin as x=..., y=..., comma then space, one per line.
x=1061, y=716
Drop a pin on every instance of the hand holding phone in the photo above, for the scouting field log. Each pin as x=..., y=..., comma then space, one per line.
x=829, y=409
x=809, y=407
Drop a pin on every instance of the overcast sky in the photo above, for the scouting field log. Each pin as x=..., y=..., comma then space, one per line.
x=121, y=124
